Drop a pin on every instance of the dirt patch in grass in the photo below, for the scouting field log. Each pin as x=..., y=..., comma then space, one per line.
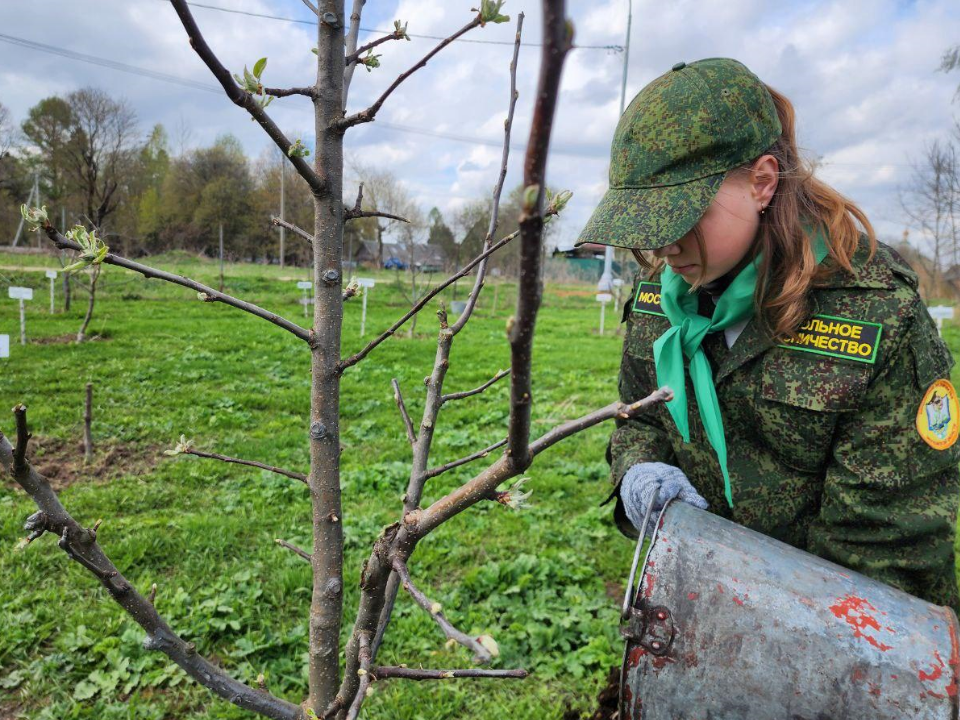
x=65, y=339
x=61, y=461
x=11, y=710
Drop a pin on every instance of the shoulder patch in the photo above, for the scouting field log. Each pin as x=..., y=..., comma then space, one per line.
x=938, y=417
x=838, y=337
x=647, y=299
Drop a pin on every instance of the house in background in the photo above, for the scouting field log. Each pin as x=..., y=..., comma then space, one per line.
x=584, y=262
x=400, y=256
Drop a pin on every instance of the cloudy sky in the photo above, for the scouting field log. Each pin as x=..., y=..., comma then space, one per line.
x=862, y=75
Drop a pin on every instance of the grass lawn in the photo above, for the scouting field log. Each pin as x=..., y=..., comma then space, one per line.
x=542, y=581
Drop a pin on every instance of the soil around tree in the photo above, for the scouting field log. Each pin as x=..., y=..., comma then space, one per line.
x=65, y=339
x=607, y=700
x=61, y=461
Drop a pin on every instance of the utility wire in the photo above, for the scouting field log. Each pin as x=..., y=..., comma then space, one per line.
x=614, y=48
x=104, y=62
x=193, y=84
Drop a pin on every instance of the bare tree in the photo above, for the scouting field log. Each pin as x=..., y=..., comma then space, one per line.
x=100, y=149
x=6, y=131
x=384, y=194
x=951, y=61
x=411, y=237
x=468, y=223
x=932, y=201
x=330, y=693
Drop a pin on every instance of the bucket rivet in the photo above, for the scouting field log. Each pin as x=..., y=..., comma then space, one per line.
x=656, y=645
x=661, y=615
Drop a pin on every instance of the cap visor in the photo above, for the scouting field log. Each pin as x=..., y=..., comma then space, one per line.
x=649, y=218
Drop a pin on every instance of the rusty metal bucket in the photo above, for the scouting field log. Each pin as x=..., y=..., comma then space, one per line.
x=726, y=623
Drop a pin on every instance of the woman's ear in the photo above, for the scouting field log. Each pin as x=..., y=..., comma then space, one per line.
x=763, y=180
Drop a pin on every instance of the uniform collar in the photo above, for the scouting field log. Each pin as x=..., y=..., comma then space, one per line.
x=875, y=273
x=868, y=274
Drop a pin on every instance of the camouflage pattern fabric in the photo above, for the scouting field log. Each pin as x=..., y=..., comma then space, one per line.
x=824, y=453
x=672, y=148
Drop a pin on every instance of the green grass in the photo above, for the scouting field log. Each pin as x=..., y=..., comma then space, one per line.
x=204, y=531
x=168, y=364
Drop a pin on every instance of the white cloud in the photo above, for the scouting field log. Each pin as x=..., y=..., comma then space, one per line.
x=861, y=74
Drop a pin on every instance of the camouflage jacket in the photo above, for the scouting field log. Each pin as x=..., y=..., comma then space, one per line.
x=824, y=452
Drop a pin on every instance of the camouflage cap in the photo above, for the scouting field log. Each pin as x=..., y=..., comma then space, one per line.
x=672, y=148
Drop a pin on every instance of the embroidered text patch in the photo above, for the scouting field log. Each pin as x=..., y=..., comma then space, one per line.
x=648, y=299
x=838, y=337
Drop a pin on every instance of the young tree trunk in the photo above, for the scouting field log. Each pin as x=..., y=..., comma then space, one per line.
x=326, y=605
x=66, y=292
x=380, y=229
x=81, y=335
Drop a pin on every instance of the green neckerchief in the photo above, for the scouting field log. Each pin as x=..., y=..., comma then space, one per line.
x=684, y=338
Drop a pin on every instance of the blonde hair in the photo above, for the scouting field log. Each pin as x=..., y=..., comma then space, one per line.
x=788, y=269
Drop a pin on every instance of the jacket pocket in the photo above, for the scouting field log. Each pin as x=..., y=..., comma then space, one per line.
x=800, y=398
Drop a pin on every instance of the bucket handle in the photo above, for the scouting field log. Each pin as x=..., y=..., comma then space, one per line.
x=628, y=596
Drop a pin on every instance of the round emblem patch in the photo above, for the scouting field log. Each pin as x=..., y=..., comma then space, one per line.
x=938, y=417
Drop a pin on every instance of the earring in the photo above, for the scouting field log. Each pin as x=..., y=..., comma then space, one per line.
x=763, y=209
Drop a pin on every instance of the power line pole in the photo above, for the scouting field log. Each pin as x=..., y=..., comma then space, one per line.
x=606, y=280
x=283, y=172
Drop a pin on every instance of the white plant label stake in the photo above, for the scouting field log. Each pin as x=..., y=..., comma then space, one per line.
x=52, y=274
x=4, y=346
x=305, y=301
x=603, y=299
x=941, y=313
x=21, y=294
x=366, y=284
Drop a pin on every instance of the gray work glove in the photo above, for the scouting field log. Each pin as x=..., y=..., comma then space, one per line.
x=640, y=483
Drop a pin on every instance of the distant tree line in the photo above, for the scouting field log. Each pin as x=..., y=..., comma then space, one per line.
x=95, y=165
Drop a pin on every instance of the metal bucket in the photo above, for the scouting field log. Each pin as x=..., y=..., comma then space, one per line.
x=727, y=623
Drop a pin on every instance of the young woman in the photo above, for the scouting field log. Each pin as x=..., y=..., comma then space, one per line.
x=812, y=396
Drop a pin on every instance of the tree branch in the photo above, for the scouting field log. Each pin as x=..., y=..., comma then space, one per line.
x=498, y=188
x=480, y=653
x=487, y=481
x=351, y=214
x=311, y=6
x=209, y=293
x=475, y=391
x=23, y=437
x=407, y=423
x=557, y=36
x=80, y=545
x=354, y=56
x=365, y=678
x=252, y=463
x=421, y=449
x=241, y=97
x=433, y=472
x=310, y=91
x=356, y=212
x=290, y=226
x=404, y=673
x=293, y=548
x=400, y=540
x=354, y=359
x=351, y=46
x=370, y=113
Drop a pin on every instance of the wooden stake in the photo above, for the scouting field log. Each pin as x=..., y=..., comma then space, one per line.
x=87, y=421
